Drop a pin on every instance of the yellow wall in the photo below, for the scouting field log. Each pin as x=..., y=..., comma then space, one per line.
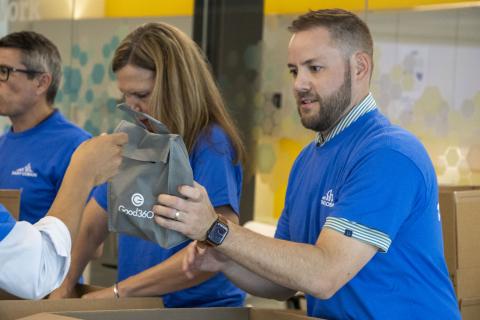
x=300, y=6
x=148, y=8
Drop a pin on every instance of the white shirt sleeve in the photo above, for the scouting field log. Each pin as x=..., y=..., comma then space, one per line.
x=34, y=259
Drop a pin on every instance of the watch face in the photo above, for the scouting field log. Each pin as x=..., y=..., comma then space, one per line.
x=218, y=233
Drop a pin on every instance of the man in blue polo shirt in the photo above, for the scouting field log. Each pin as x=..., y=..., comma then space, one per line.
x=360, y=233
x=36, y=150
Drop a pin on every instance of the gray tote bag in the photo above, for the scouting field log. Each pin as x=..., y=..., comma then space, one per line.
x=153, y=163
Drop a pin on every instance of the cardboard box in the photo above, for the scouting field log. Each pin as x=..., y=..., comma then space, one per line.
x=460, y=212
x=14, y=309
x=468, y=228
x=10, y=198
x=467, y=283
x=470, y=308
x=176, y=314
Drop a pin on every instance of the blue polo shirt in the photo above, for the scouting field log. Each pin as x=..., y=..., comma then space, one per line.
x=374, y=182
x=212, y=165
x=35, y=161
x=6, y=222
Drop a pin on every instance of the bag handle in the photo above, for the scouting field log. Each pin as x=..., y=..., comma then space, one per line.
x=138, y=116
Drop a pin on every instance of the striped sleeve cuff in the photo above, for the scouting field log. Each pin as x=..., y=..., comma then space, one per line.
x=354, y=230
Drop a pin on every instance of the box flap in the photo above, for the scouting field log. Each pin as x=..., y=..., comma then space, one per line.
x=14, y=309
x=470, y=301
x=470, y=308
x=163, y=314
x=446, y=202
x=46, y=316
x=182, y=314
x=276, y=314
x=10, y=198
x=468, y=226
x=467, y=283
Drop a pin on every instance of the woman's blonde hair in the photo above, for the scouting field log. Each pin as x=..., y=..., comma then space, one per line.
x=185, y=96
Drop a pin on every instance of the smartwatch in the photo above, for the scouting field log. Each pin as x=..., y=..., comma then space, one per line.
x=217, y=232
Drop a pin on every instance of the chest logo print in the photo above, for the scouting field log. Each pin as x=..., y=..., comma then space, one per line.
x=26, y=171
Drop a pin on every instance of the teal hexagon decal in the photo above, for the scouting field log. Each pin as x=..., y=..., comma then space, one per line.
x=106, y=50
x=98, y=72
x=89, y=96
x=111, y=104
x=83, y=58
x=72, y=80
x=76, y=51
x=90, y=127
x=59, y=96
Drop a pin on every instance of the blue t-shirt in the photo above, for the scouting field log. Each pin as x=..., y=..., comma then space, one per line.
x=6, y=222
x=212, y=165
x=35, y=161
x=378, y=177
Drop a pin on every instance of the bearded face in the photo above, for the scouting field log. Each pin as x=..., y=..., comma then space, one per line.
x=331, y=107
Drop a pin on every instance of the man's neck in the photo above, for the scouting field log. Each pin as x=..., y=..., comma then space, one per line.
x=356, y=99
x=31, y=118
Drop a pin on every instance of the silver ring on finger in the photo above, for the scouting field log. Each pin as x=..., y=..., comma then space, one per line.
x=177, y=215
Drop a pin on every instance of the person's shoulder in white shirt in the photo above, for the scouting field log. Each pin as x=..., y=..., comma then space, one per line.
x=35, y=258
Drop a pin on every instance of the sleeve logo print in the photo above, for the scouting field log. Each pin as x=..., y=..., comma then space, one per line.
x=327, y=199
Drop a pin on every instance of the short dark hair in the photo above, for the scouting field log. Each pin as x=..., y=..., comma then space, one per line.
x=38, y=53
x=347, y=30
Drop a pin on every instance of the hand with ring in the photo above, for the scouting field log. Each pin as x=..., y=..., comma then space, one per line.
x=192, y=214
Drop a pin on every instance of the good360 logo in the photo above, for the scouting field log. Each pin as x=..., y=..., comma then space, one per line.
x=137, y=200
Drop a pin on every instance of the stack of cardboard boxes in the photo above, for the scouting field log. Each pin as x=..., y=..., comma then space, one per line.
x=460, y=212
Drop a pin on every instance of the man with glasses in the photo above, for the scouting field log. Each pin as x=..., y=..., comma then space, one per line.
x=36, y=149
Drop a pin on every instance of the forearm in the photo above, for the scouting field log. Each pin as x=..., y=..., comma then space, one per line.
x=168, y=276
x=71, y=199
x=93, y=231
x=300, y=267
x=255, y=284
x=82, y=253
x=163, y=278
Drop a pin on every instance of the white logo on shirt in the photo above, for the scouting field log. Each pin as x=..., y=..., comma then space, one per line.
x=438, y=211
x=137, y=199
x=25, y=171
x=327, y=199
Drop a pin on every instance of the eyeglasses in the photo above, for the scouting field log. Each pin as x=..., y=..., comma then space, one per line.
x=6, y=70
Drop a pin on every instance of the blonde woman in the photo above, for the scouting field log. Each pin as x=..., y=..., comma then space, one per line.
x=162, y=72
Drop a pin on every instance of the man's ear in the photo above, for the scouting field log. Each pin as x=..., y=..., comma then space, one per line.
x=43, y=82
x=362, y=65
